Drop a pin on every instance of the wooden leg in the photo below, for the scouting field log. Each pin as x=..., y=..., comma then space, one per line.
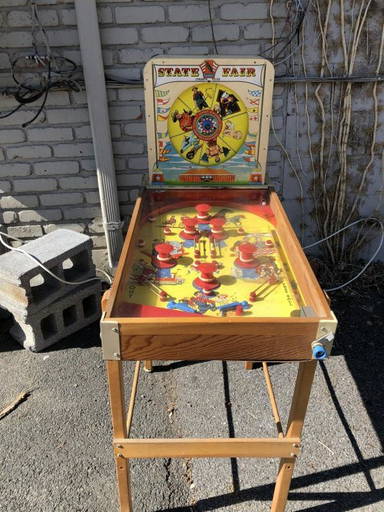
x=148, y=366
x=248, y=365
x=117, y=402
x=295, y=426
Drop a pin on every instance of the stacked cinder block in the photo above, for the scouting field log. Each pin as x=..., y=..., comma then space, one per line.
x=46, y=310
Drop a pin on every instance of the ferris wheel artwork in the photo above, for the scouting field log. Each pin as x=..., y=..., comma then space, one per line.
x=207, y=124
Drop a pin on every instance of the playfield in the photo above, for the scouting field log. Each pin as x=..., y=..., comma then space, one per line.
x=218, y=258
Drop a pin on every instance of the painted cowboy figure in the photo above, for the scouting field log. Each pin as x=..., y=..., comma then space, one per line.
x=199, y=99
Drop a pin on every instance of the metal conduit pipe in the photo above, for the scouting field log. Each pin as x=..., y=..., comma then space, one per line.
x=93, y=69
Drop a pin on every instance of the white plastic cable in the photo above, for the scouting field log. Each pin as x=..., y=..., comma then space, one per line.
x=370, y=260
x=109, y=279
x=73, y=283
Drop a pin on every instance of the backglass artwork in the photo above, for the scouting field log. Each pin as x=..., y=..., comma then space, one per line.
x=206, y=122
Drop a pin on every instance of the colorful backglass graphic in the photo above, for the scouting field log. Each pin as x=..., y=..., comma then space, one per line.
x=208, y=124
x=208, y=120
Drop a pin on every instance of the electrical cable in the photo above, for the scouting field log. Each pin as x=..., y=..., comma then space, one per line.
x=295, y=32
x=8, y=114
x=42, y=72
x=27, y=94
x=27, y=123
x=36, y=260
x=38, y=28
x=212, y=27
x=369, y=261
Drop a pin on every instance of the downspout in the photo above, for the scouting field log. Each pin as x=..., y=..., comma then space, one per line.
x=93, y=69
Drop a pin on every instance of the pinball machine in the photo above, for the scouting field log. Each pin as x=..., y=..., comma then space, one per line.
x=211, y=268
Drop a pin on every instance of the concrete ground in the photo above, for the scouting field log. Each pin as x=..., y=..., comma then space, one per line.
x=56, y=450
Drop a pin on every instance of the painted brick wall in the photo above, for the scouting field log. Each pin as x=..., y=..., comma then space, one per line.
x=47, y=171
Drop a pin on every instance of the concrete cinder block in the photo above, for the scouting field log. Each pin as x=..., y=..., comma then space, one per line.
x=5, y=322
x=25, y=288
x=59, y=319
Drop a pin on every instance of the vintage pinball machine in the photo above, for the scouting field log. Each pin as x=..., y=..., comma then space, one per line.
x=211, y=268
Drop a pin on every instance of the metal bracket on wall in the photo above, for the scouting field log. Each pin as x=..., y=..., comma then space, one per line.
x=110, y=339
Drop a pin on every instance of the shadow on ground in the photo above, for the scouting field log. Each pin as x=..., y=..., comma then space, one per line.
x=359, y=340
x=85, y=338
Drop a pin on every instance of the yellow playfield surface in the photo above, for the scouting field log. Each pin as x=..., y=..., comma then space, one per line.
x=270, y=282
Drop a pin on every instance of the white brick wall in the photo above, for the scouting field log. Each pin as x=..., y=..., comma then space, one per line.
x=47, y=171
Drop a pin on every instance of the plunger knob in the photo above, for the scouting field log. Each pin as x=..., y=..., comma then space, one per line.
x=203, y=212
x=163, y=258
x=207, y=282
x=189, y=232
x=246, y=256
x=217, y=230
